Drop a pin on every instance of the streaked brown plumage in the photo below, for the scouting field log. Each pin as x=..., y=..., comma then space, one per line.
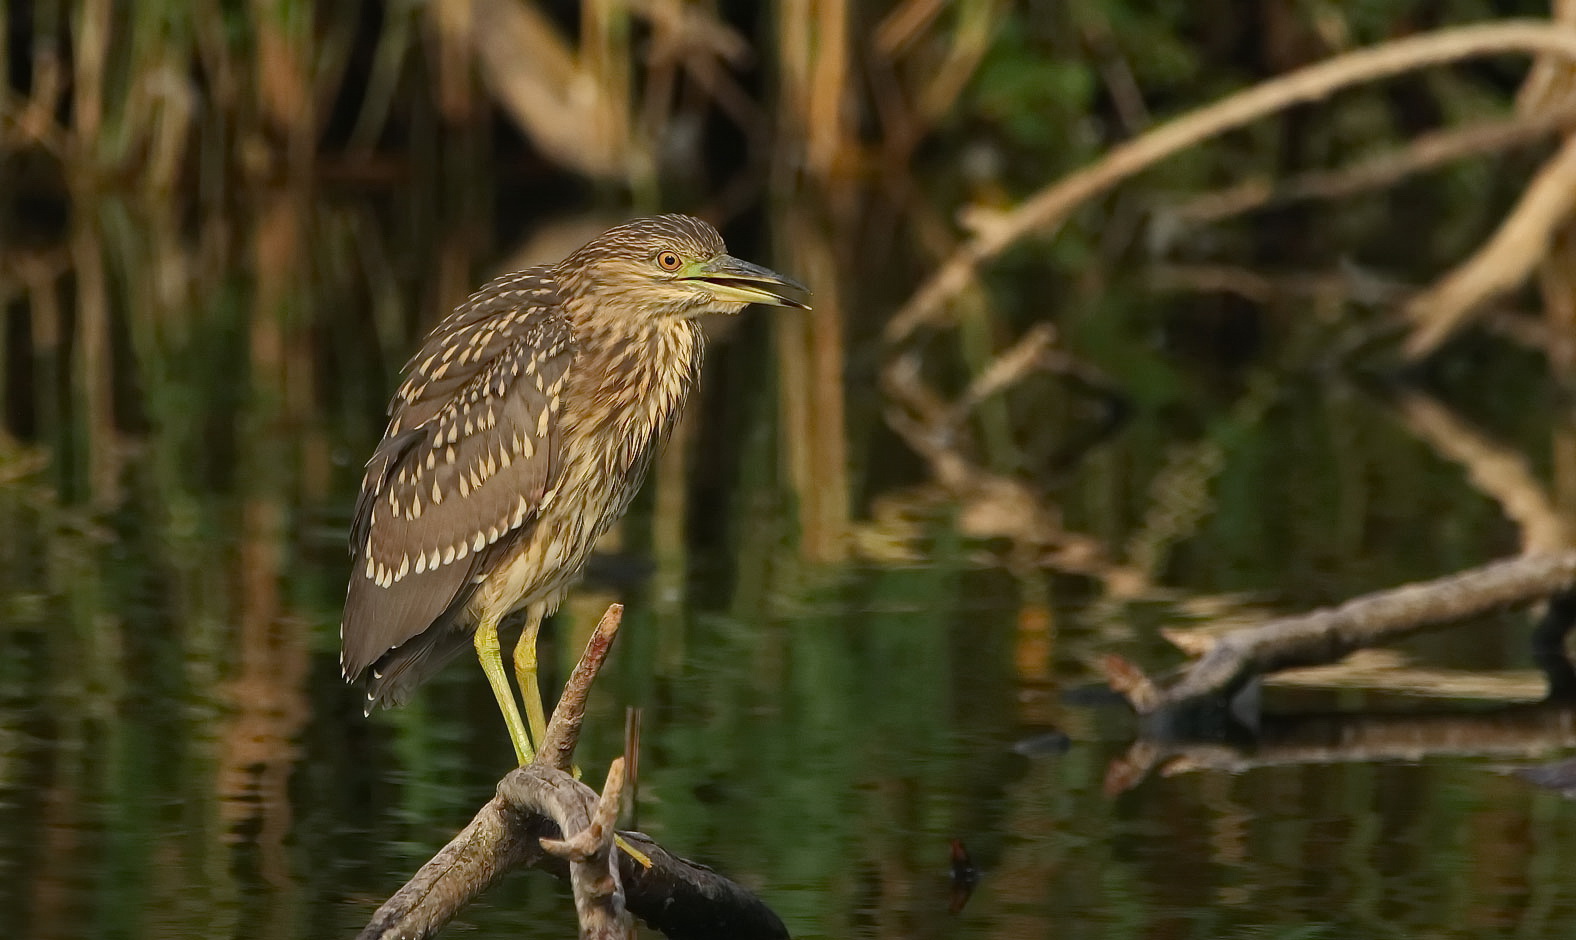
x=525, y=425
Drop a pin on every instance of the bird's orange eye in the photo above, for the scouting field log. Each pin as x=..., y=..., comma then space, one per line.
x=668, y=260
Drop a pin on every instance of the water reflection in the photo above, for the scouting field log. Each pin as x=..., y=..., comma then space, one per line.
x=854, y=589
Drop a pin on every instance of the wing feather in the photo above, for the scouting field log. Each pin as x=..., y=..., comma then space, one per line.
x=471, y=447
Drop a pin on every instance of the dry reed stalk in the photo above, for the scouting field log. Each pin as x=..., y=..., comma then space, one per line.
x=1047, y=209
x=34, y=122
x=393, y=47
x=282, y=73
x=904, y=24
x=455, y=21
x=219, y=63
x=90, y=50
x=605, y=61
x=169, y=131
x=5, y=69
x=970, y=41
x=1557, y=284
x=793, y=51
x=666, y=20
x=92, y=363
x=938, y=70
x=814, y=59
x=830, y=134
x=686, y=37
x=1563, y=456
x=940, y=82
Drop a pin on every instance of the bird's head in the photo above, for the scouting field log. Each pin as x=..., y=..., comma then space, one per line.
x=673, y=265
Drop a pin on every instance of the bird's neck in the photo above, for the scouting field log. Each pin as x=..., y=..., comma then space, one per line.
x=644, y=368
x=633, y=343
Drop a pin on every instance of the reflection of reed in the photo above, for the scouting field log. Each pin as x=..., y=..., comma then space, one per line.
x=54, y=885
x=258, y=748
x=810, y=368
x=94, y=376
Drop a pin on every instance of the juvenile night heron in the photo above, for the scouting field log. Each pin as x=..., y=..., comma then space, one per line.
x=522, y=430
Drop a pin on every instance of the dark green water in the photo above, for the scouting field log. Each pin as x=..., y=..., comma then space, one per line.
x=827, y=702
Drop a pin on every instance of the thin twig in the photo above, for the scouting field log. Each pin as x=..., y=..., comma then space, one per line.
x=563, y=731
x=1520, y=242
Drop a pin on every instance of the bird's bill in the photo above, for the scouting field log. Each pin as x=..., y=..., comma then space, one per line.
x=746, y=283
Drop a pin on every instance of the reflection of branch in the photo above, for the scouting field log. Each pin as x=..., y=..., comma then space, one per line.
x=541, y=811
x=1050, y=207
x=992, y=505
x=1326, y=635
x=1498, y=472
x=1514, y=731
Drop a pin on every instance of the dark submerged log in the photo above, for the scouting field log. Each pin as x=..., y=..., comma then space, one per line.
x=1512, y=732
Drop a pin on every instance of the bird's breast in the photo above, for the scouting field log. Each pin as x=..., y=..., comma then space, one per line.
x=624, y=396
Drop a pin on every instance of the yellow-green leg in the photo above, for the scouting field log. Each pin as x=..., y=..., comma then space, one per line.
x=525, y=674
x=487, y=651
x=531, y=693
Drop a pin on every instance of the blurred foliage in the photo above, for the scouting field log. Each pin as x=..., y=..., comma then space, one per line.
x=172, y=93
x=223, y=232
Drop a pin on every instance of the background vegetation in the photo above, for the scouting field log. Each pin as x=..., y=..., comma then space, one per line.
x=1035, y=415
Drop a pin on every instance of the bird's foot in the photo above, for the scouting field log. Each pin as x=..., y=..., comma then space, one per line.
x=632, y=852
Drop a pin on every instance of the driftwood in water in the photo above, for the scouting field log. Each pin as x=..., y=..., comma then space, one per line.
x=543, y=817
x=1227, y=661
x=1511, y=732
